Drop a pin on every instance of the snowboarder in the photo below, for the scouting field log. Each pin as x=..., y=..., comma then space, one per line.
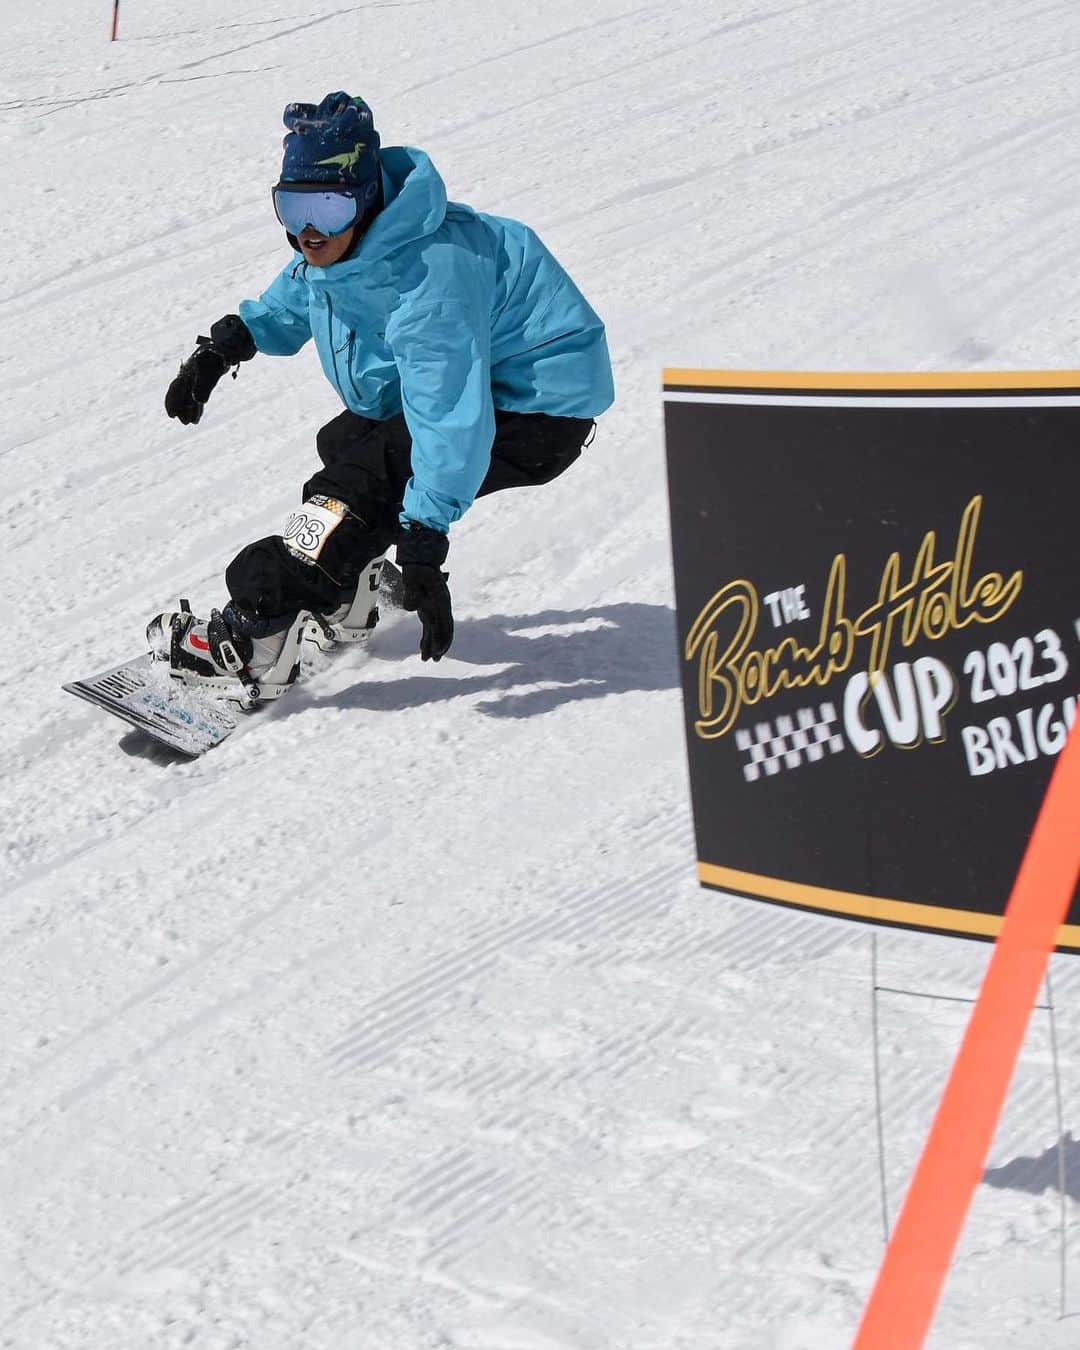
x=467, y=361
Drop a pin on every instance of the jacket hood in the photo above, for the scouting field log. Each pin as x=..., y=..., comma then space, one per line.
x=414, y=197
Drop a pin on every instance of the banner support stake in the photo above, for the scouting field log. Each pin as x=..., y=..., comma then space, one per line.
x=1063, y=1216
x=878, y=1109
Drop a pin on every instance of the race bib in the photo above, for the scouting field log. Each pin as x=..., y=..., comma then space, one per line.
x=309, y=527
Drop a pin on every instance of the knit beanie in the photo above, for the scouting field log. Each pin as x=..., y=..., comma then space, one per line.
x=334, y=141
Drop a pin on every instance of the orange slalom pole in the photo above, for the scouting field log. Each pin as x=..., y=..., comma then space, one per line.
x=115, y=19
x=901, y=1307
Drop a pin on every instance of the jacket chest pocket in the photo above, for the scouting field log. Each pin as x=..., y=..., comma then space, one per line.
x=341, y=338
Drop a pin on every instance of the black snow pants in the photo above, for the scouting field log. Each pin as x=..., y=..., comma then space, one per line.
x=366, y=464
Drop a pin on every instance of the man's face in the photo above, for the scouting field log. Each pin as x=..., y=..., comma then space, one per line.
x=321, y=250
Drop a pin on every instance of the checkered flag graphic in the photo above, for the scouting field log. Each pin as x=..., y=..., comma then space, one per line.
x=809, y=735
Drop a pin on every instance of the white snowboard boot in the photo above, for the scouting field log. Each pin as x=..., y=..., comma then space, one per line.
x=231, y=656
x=227, y=656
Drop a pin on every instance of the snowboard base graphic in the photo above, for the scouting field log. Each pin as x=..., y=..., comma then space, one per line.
x=142, y=693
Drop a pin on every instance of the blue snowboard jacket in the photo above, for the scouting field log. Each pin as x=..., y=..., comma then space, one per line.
x=443, y=313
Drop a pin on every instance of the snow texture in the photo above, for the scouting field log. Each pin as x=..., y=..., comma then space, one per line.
x=401, y=1023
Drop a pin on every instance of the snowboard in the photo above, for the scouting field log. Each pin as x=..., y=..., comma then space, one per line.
x=144, y=694
x=187, y=719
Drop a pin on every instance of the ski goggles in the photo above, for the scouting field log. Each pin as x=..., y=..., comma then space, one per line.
x=329, y=210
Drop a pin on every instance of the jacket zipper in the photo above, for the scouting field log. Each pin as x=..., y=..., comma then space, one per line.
x=352, y=381
x=333, y=349
x=348, y=357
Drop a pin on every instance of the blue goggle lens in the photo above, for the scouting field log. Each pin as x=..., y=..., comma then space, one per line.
x=326, y=211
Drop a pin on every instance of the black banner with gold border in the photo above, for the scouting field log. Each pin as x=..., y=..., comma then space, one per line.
x=879, y=614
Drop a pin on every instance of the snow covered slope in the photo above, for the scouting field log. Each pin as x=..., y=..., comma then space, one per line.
x=399, y=1021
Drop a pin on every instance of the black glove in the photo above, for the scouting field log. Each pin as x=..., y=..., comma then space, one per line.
x=229, y=343
x=420, y=554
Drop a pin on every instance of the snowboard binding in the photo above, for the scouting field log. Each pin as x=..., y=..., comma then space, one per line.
x=217, y=656
x=228, y=657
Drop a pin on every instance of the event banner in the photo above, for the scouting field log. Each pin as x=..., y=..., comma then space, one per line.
x=878, y=602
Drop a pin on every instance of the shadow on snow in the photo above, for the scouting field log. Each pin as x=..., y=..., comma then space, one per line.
x=1036, y=1175
x=549, y=659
